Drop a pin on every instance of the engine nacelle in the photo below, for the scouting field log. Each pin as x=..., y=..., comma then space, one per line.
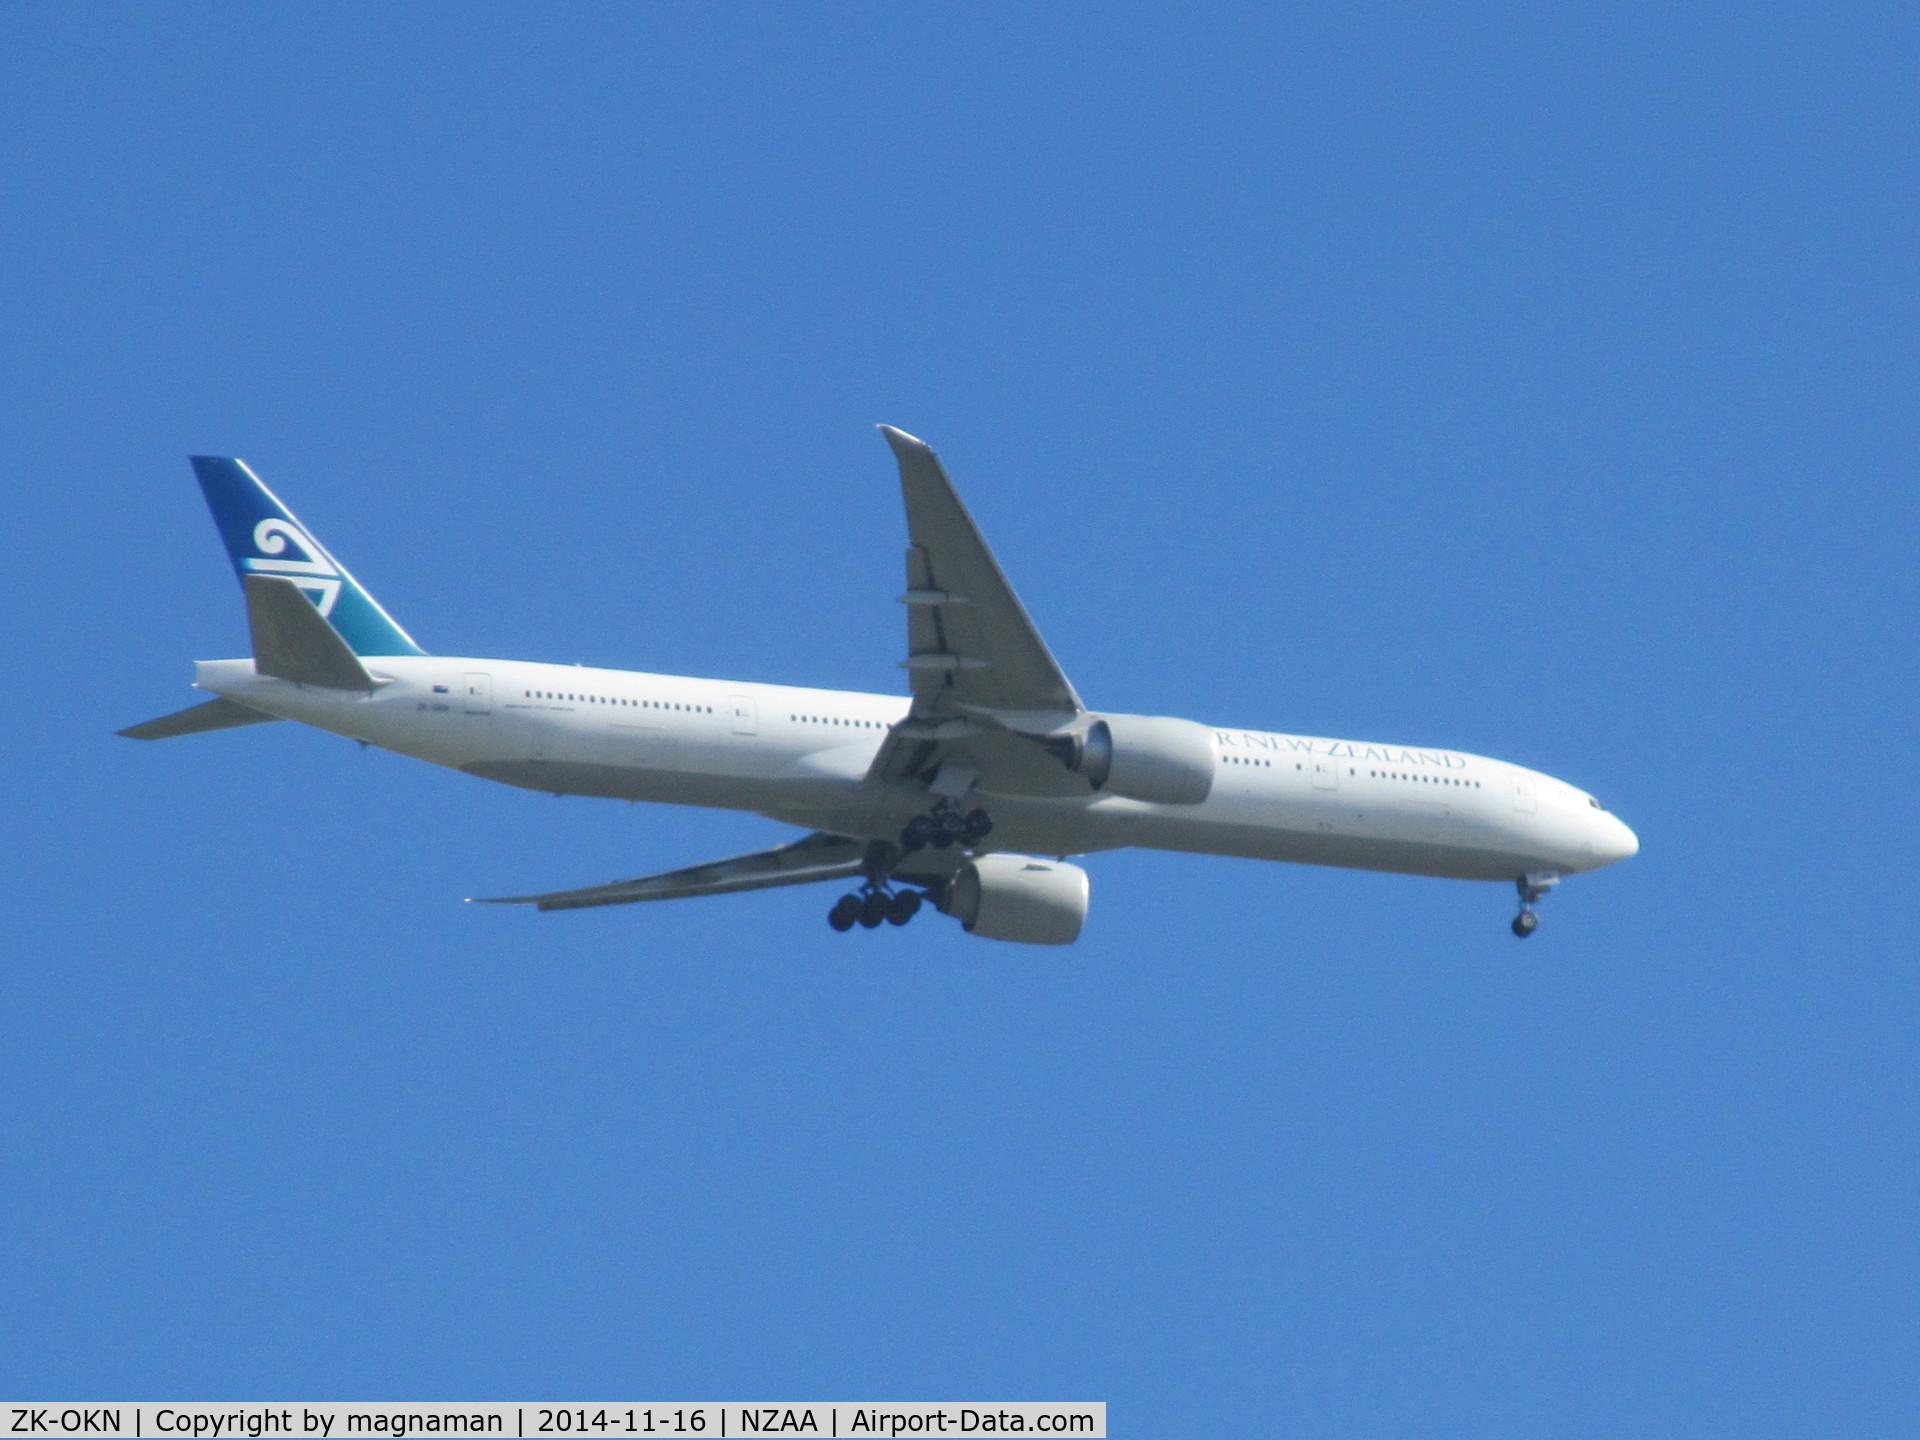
x=1019, y=898
x=1145, y=757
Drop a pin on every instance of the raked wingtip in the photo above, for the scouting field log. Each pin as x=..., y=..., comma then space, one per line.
x=899, y=438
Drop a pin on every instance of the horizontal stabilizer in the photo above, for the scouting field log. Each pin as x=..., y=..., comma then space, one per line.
x=819, y=856
x=221, y=714
x=293, y=641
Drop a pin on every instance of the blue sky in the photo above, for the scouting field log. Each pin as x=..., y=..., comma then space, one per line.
x=1535, y=381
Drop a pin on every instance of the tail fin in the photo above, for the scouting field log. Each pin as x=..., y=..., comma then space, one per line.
x=263, y=538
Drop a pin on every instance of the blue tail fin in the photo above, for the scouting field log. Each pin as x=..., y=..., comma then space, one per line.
x=264, y=539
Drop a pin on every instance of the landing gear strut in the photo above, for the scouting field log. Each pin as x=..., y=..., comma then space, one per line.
x=943, y=826
x=1533, y=887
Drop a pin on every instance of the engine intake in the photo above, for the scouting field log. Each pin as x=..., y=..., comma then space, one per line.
x=1019, y=898
x=1144, y=757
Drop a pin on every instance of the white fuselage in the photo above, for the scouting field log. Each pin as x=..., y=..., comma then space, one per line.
x=800, y=756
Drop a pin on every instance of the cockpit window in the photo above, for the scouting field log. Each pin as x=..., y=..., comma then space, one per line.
x=1595, y=803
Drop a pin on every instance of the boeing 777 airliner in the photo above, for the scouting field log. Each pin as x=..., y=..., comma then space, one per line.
x=970, y=793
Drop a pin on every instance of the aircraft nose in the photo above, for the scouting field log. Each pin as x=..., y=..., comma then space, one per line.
x=1612, y=840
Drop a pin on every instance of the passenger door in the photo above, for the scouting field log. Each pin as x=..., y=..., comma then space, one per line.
x=479, y=693
x=746, y=715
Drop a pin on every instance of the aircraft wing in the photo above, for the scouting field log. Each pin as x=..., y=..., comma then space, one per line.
x=816, y=857
x=819, y=856
x=970, y=642
x=976, y=661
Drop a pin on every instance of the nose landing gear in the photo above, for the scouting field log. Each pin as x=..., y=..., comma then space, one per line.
x=1533, y=887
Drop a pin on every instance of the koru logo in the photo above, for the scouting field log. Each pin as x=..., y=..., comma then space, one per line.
x=317, y=575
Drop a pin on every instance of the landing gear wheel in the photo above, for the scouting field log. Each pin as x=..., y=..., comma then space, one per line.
x=1532, y=887
x=903, y=907
x=873, y=909
x=977, y=826
x=918, y=834
x=845, y=911
x=952, y=825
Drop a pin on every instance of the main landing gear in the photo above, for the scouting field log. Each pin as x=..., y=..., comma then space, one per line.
x=943, y=826
x=1533, y=887
x=872, y=908
x=876, y=902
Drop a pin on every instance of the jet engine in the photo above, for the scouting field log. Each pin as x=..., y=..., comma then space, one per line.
x=1019, y=898
x=1144, y=757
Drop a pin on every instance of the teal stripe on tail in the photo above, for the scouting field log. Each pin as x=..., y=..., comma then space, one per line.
x=264, y=539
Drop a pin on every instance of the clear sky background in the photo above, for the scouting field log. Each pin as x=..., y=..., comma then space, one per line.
x=1535, y=381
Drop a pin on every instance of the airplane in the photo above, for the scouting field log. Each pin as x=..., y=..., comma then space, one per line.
x=967, y=795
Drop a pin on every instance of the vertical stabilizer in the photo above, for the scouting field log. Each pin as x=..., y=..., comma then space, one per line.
x=263, y=538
